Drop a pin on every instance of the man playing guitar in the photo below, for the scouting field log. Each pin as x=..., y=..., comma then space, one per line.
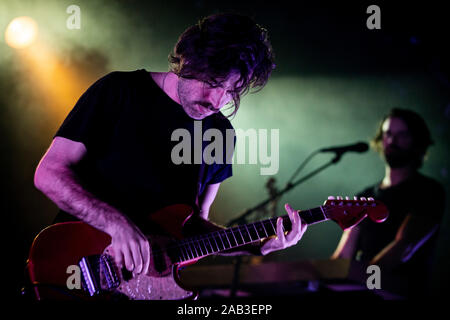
x=109, y=163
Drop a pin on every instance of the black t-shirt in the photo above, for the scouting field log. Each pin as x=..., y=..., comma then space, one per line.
x=126, y=122
x=419, y=196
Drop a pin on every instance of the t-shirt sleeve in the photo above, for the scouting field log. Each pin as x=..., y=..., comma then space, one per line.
x=223, y=171
x=90, y=118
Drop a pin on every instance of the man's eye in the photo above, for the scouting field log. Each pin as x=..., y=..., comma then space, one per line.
x=212, y=85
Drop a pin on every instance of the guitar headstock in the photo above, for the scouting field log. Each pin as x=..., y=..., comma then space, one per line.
x=348, y=213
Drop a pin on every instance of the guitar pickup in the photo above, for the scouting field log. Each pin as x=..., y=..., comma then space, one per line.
x=98, y=274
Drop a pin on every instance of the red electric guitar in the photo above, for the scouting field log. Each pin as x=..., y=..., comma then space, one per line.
x=64, y=248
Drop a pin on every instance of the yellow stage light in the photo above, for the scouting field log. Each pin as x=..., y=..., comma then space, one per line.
x=21, y=32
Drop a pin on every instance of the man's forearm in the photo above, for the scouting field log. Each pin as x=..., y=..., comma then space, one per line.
x=63, y=188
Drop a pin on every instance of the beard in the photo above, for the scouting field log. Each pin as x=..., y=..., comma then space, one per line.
x=399, y=158
x=187, y=101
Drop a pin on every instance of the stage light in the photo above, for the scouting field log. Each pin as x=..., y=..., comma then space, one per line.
x=21, y=32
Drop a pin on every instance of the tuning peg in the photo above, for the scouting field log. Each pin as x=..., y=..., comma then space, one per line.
x=331, y=198
x=371, y=199
x=355, y=198
x=339, y=197
x=363, y=199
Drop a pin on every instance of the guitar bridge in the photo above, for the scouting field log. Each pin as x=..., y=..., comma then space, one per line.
x=98, y=274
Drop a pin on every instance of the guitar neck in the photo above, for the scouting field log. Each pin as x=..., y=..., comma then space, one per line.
x=226, y=239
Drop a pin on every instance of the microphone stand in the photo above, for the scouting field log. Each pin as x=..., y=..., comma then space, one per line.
x=242, y=219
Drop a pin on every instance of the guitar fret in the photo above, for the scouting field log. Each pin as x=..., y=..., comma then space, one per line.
x=183, y=256
x=205, y=245
x=230, y=239
x=323, y=212
x=190, y=251
x=214, y=244
x=243, y=240
x=232, y=232
x=316, y=215
x=248, y=232
x=197, y=245
x=273, y=227
x=210, y=246
x=200, y=246
x=245, y=234
x=224, y=234
x=199, y=242
x=221, y=240
x=268, y=232
x=264, y=228
x=217, y=245
x=257, y=233
x=196, y=252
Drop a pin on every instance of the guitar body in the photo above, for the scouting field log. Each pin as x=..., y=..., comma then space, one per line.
x=60, y=246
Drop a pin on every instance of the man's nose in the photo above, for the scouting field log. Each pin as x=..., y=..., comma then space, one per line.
x=389, y=140
x=215, y=96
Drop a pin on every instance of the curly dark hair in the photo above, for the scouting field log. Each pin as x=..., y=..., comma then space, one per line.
x=417, y=127
x=220, y=44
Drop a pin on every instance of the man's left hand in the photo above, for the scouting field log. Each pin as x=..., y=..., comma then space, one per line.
x=282, y=239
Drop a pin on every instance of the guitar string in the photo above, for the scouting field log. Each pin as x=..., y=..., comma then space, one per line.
x=195, y=240
x=211, y=235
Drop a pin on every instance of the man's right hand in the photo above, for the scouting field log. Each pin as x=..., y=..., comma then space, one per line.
x=57, y=180
x=130, y=247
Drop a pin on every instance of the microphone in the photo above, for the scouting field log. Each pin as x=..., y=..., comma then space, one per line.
x=356, y=147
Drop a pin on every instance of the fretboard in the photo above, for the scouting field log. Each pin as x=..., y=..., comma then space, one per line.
x=226, y=239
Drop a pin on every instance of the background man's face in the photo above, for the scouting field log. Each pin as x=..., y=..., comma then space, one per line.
x=397, y=142
x=199, y=100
